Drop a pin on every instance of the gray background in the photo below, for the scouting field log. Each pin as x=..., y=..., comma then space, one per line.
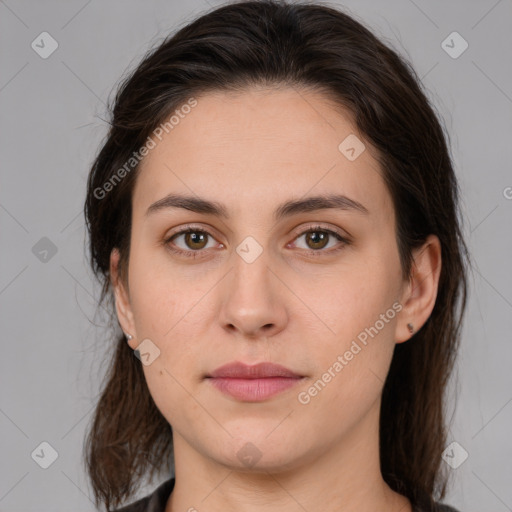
x=52, y=113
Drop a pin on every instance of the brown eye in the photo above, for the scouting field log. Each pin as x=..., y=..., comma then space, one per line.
x=194, y=240
x=318, y=239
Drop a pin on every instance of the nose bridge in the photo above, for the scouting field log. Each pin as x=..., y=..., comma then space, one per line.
x=252, y=301
x=250, y=277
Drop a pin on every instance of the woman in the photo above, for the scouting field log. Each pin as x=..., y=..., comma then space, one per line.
x=274, y=215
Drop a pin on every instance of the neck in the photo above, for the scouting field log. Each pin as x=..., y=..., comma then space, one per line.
x=341, y=478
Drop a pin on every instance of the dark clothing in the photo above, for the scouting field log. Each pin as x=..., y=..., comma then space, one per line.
x=157, y=501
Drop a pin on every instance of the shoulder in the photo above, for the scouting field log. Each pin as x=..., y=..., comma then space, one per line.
x=154, y=502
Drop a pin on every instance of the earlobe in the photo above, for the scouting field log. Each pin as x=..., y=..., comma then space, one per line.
x=420, y=296
x=122, y=299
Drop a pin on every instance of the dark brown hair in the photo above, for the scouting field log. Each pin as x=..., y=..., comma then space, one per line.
x=297, y=45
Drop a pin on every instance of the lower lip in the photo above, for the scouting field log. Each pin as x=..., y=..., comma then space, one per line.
x=253, y=390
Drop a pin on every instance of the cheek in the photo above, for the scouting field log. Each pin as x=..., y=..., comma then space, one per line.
x=352, y=300
x=157, y=297
x=358, y=326
x=349, y=375
x=164, y=306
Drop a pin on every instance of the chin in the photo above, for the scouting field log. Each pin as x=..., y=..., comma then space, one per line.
x=258, y=452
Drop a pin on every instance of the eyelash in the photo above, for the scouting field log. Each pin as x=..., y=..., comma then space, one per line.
x=318, y=252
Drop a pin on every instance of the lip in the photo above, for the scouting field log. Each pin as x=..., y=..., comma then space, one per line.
x=253, y=383
x=237, y=370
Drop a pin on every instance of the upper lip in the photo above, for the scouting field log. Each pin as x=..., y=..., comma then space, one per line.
x=257, y=371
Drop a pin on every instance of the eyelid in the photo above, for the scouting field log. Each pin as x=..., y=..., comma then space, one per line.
x=297, y=231
x=318, y=226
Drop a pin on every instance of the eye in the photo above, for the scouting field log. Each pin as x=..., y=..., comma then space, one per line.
x=317, y=238
x=196, y=241
x=194, y=238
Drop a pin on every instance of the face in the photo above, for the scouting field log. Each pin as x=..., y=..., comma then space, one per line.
x=317, y=291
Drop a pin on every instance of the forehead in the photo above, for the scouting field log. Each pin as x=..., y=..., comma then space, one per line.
x=259, y=147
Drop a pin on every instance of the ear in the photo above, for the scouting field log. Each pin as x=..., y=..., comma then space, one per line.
x=122, y=300
x=420, y=295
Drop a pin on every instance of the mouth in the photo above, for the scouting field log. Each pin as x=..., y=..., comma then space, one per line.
x=253, y=383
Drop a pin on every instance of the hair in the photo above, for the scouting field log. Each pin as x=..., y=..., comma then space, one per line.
x=317, y=47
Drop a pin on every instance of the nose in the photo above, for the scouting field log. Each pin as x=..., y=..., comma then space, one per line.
x=253, y=299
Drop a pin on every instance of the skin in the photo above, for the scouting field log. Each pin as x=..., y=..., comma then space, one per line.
x=252, y=151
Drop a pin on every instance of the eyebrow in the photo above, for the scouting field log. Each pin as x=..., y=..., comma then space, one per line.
x=286, y=209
